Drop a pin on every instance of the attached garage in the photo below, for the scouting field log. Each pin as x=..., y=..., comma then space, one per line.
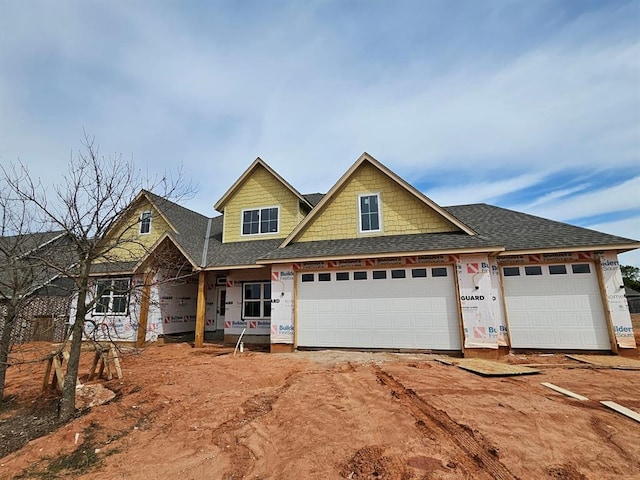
x=404, y=308
x=555, y=307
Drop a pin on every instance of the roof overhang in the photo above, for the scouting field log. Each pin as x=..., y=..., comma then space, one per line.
x=362, y=256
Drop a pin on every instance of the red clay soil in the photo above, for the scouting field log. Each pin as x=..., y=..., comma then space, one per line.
x=191, y=413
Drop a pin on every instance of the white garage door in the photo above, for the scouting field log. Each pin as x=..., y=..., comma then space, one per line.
x=555, y=306
x=413, y=308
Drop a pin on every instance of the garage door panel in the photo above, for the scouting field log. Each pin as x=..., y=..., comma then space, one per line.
x=379, y=313
x=556, y=311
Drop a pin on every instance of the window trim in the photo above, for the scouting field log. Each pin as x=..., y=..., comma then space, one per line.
x=111, y=297
x=143, y=217
x=378, y=195
x=261, y=301
x=259, y=210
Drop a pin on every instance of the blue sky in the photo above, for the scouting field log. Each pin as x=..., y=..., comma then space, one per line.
x=530, y=105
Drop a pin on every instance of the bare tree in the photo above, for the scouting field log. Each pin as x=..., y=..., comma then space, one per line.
x=91, y=199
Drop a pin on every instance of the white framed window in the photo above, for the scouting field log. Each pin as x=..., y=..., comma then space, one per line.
x=145, y=222
x=259, y=221
x=112, y=296
x=256, y=300
x=369, y=212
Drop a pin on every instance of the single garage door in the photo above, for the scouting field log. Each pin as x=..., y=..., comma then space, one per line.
x=413, y=308
x=555, y=306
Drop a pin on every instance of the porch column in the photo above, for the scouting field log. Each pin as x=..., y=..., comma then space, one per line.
x=201, y=309
x=144, y=309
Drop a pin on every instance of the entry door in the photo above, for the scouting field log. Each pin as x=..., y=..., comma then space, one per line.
x=221, y=302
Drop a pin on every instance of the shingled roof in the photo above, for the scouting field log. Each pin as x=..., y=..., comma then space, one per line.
x=519, y=231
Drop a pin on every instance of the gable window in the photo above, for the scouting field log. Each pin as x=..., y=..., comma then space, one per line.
x=145, y=222
x=256, y=300
x=369, y=208
x=260, y=220
x=112, y=296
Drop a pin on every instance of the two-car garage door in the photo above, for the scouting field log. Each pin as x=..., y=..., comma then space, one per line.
x=410, y=308
x=555, y=307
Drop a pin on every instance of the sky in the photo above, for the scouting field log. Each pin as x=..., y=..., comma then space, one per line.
x=528, y=105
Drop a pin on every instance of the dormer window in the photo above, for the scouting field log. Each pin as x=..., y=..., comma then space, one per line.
x=145, y=222
x=369, y=209
x=260, y=221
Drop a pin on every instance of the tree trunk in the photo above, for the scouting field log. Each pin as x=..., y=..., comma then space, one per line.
x=68, y=401
x=5, y=345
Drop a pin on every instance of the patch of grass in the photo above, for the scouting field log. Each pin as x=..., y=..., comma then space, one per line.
x=81, y=460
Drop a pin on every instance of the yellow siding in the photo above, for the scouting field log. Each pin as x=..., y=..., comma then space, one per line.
x=260, y=190
x=402, y=212
x=126, y=243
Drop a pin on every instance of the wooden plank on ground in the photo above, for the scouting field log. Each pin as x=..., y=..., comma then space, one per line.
x=607, y=360
x=116, y=361
x=447, y=361
x=492, y=368
x=623, y=410
x=563, y=391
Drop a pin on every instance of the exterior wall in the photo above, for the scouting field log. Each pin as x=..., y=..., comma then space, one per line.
x=402, y=213
x=131, y=244
x=282, y=306
x=257, y=331
x=616, y=301
x=177, y=306
x=27, y=327
x=497, y=303
x=261, y=189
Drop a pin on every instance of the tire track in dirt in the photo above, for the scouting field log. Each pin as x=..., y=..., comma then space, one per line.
x=434, y=420
x=226, y=437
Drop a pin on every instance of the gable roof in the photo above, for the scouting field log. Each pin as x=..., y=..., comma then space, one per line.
x=332, y=193
x=258, y=162
x=521, y=232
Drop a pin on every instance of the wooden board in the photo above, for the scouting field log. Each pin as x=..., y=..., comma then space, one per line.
x=563, y=391
x=447, y=361
x=490, y=368
x=607, y=361
x=623, y=410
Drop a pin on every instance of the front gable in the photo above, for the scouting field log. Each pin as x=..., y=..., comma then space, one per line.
x=402, y=210
x=135, y=232
x=260, y=191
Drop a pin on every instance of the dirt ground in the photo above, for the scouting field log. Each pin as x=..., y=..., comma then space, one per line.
x=191, y=413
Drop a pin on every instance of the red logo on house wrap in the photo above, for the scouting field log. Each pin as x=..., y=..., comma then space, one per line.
x=296, y=266
x=534, y=258
x=274, y=329
x=479, y=332
x=185, y=319
x=209, y=321
x=369, y=263
x=229, y=283
x=253, y=324
x=473, y=268
x=584, y=256
x=411, y=260
x=332, y=264
x=227, y=324
x=167, y=319
x=275, y=276
x=454, y=258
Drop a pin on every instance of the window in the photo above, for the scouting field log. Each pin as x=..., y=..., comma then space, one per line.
x=259, y=221
x=324, y=277
x=580, y=268
x=511, y=271
x=369, y=213
x=256, y=300
x=419, y=272
x=398, y=274
x=439, y=272
x=379, y=274
x=112, y=296
x=307, y=277
x=145, y=222
x=533, y=270
x=342, y=276
x=557, y=269
x=359, y=275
